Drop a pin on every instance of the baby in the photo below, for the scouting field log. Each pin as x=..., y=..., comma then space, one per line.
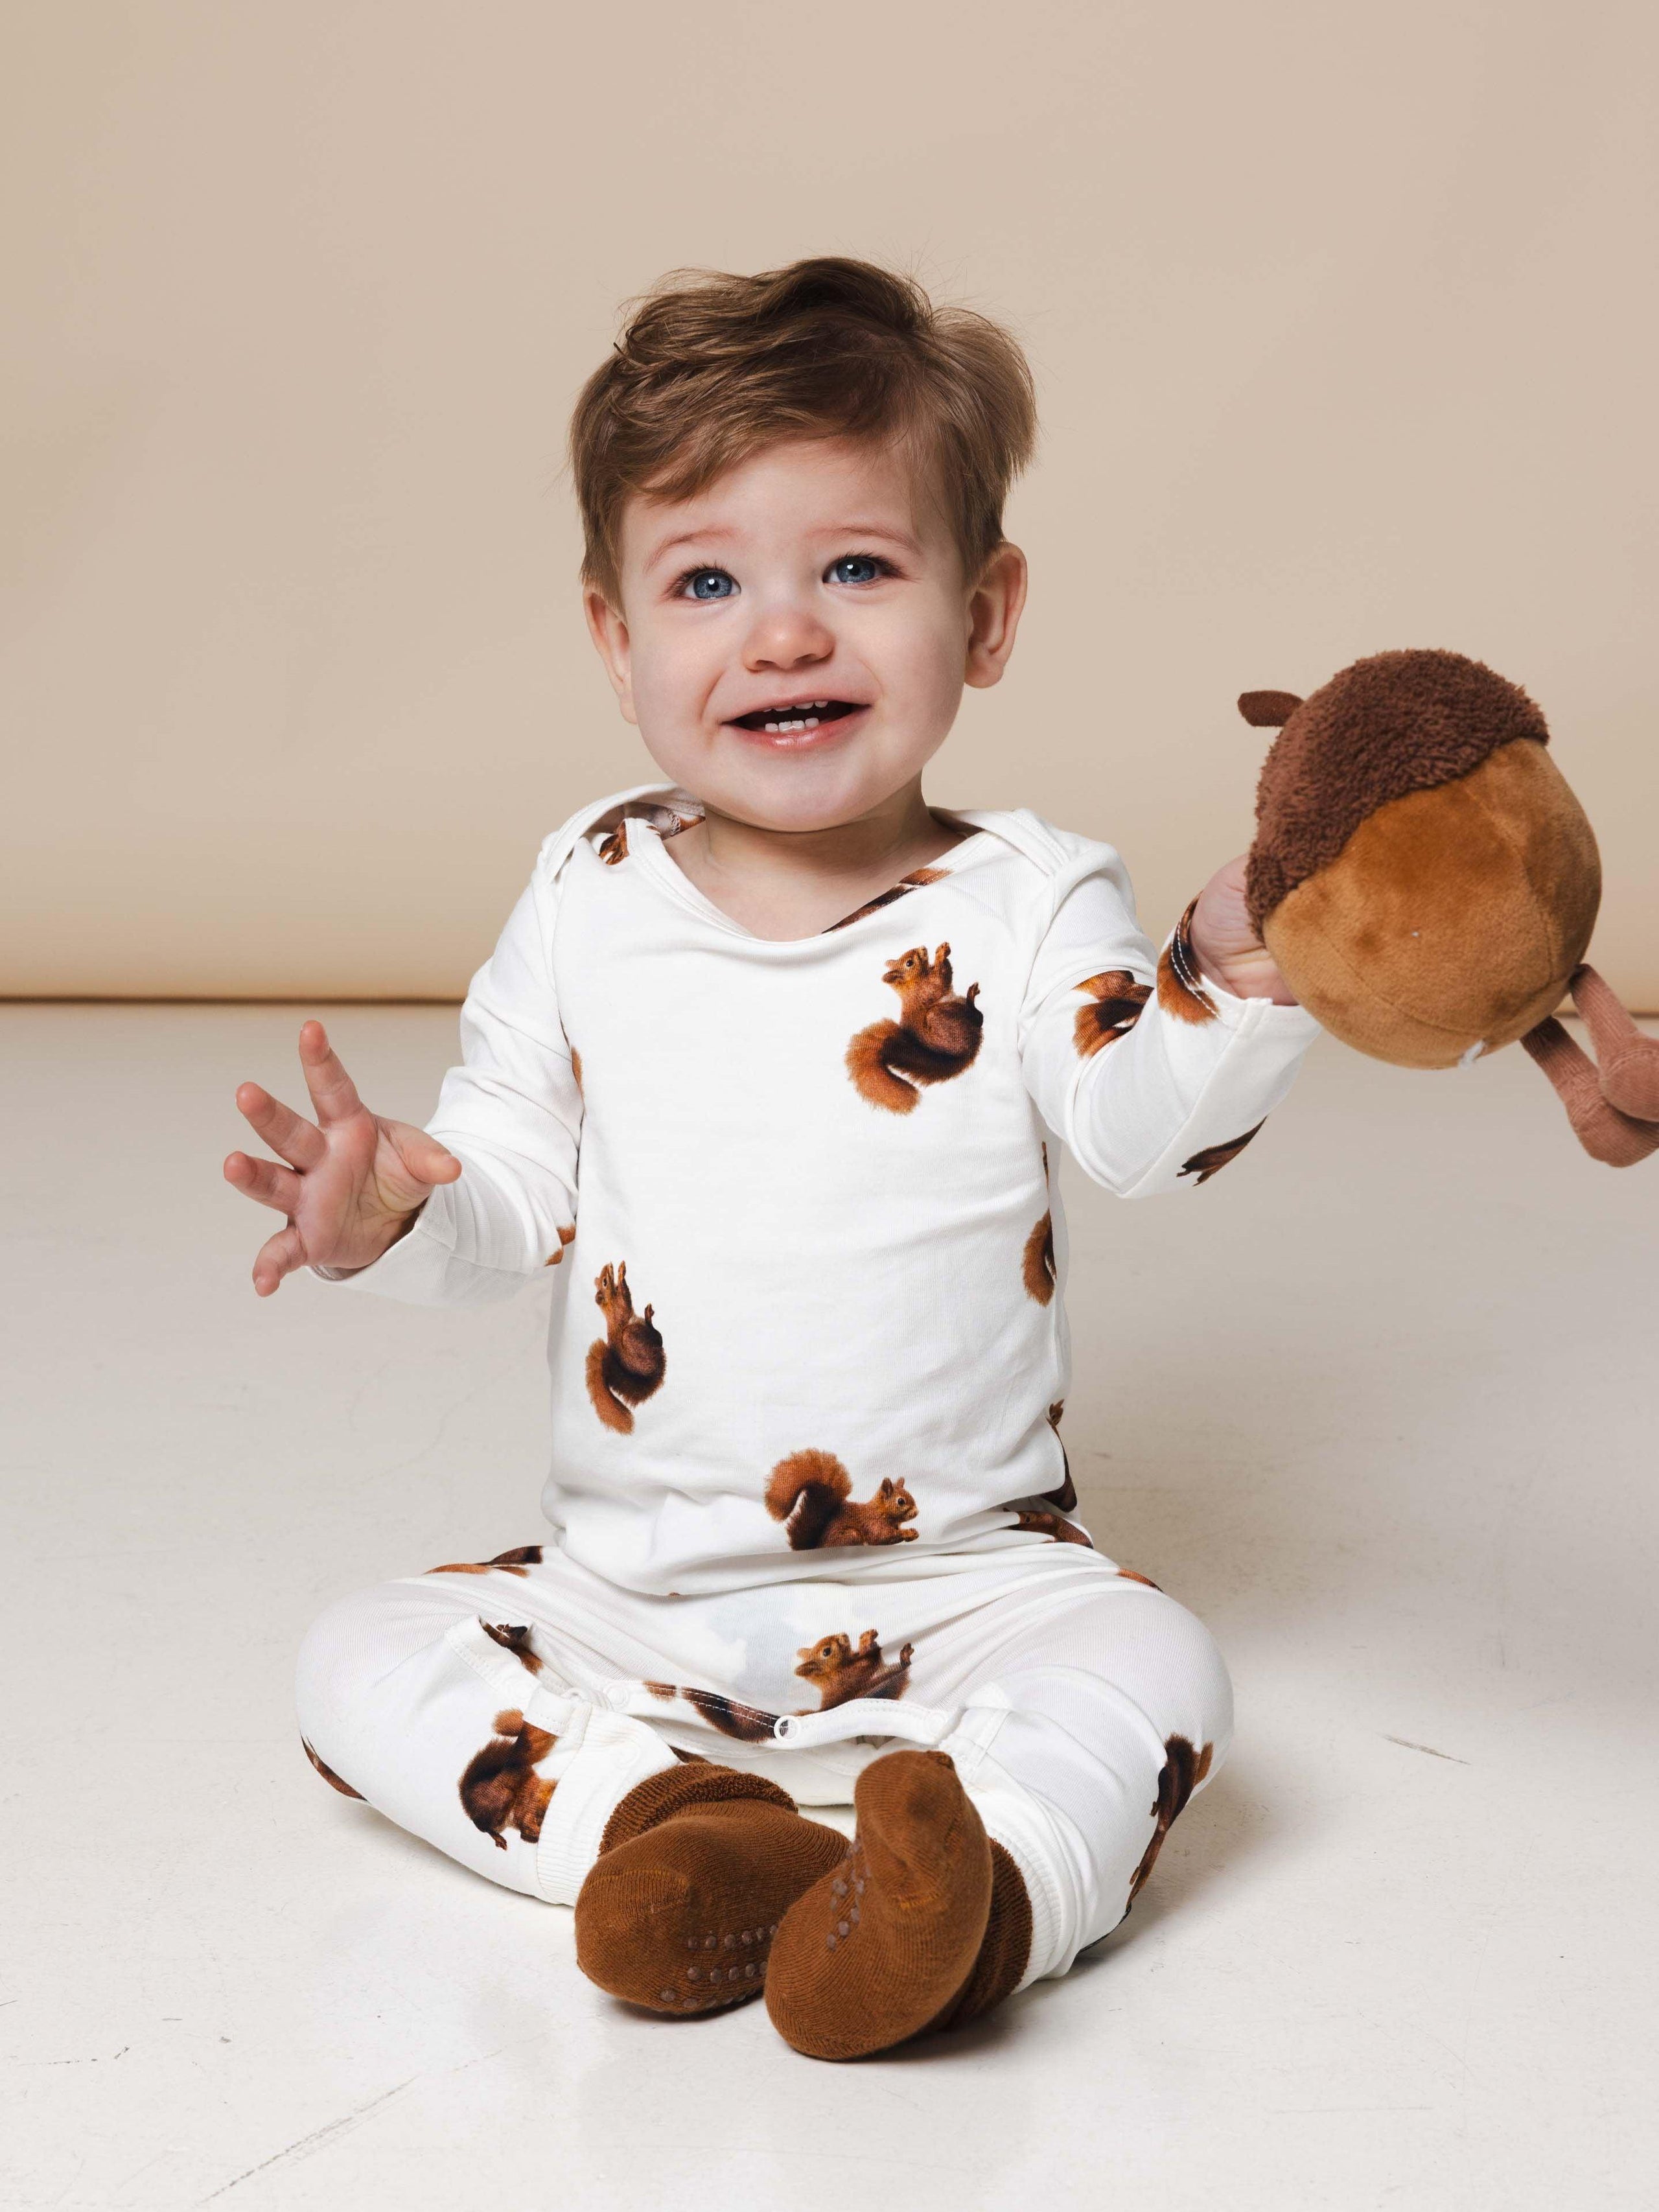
x=766, y=1069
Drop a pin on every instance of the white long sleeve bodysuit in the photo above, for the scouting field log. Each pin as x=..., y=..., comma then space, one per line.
x=808, y=1496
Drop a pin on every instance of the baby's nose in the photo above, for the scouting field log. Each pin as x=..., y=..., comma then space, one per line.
x=786, y=637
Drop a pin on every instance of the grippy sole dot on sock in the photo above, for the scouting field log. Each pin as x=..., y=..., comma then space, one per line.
x=749, y=1973
x=843, y=1886
x=689, y=1968
x=827, y=1994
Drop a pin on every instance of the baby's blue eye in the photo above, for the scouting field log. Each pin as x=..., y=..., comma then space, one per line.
x=856, y=568
x=708, y=584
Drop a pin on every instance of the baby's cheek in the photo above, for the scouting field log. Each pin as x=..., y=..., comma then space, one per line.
x=667, y=714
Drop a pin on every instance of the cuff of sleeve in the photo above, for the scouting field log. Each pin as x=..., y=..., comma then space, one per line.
x=1253, y=1016
x=1263, y=1015
x=417, y=1262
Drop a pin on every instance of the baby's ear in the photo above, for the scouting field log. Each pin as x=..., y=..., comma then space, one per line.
x=1267, y=710
x=609, y=631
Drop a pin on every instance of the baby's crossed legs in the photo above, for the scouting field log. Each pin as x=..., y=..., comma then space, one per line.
x=1079, y=1738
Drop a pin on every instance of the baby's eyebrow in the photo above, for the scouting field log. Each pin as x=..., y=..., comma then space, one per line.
x=867, y=530
x=706, y=537
x=715, y=533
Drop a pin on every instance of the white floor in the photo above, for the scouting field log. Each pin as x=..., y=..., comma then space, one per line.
x=1378, y=1403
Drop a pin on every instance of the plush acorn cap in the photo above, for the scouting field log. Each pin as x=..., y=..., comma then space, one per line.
x=1421, y=872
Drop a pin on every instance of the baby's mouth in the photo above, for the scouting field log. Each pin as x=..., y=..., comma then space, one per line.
x=798, y=715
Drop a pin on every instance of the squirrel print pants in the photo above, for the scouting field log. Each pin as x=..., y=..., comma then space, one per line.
x=501, y=1710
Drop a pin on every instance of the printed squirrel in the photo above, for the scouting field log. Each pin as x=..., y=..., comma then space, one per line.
x=1214, y=1158
x=1180, y=990
x=501, y=1788
x=627, y=1363
x=842, y=1674
x=936, y=1036
x=514, y=1638
x=329, y=1775
x=811, y=1491
x=1065, y=1493
x=515, y=1562
x=1184, y=1768
x=1042, y=1522
x=749, y=1723
x=1037, y=1261
x=1117, y=999
x=915, y=881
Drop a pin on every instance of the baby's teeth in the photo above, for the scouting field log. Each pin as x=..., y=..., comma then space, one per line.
x=783, y=727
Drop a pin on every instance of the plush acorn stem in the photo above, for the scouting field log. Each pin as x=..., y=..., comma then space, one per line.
x=1267, y=710
x=1618, y=1140
x=1627, y=1061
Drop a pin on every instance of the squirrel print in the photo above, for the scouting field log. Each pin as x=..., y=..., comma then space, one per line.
x=667, y=821
x=1180, y=991
x=514, y=1639
x=747, y=1723
x=329, y=1776
x=840, y=1673
x=515, y=1562
x=1065, y=1494
x=1182, y=1771
x=1037, y=1265
x=1214, y=1158
x=937, y=1036
x=1042, y=1522
x=501, y=1788
x=566, y=1236
x=913, y=881
x=838, y=1670
x=812, y=1492
x=626, y=1364
x=1117, y=999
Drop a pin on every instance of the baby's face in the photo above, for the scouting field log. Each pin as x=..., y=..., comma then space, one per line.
x=794, y=640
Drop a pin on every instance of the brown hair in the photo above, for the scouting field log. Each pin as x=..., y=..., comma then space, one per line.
x=711, y=367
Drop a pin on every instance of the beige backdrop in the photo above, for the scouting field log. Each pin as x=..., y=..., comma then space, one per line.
x=1343, y=317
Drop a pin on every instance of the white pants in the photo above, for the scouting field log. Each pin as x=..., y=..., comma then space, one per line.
x=502, y=1711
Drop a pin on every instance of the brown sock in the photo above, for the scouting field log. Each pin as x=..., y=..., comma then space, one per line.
x=1003, y=1953
x=924, y=1925
x=696, y=1868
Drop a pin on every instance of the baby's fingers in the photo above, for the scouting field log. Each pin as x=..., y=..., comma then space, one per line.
x=299, y=1141
x=333, y=1093
x=277, y=1256
x=265, y=1181
x=423, y=1156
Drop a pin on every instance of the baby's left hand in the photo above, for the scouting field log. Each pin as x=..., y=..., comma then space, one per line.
x=1227, y=947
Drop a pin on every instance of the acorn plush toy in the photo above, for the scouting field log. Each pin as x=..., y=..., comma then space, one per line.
x=1427, y=883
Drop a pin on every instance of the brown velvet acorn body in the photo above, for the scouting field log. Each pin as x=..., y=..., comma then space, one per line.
x=1427, y=883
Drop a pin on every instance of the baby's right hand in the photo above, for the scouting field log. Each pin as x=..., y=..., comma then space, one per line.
x=354, y=1183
